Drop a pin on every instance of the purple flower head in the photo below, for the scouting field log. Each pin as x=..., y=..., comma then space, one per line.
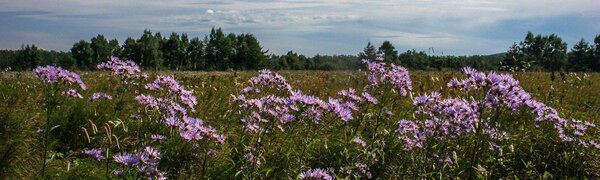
x=53, y=74
x=152, y=152
x=100, y=96
x=370, y=98
x=135, y=116
x=315, y=174
x=268, y=78
x=147, y=100
x=340, y=109
x=71, y=93
x=127, y=159
x=119, y=67
x=360, y=141
x=175, y=89
x=158, y=137
x=253, y=159
x=96, y=153
x=382, y=73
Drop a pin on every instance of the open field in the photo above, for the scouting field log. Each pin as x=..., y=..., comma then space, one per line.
x=529, y=150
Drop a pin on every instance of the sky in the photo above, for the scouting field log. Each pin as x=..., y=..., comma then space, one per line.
x=440, y=27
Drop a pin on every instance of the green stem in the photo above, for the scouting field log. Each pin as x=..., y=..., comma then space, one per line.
x=49, y=108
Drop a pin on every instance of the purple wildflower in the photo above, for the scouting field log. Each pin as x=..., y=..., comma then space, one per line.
x=158, y=137
x=360, y=141
x=127, y=159
x=99, y=96
x=96, y=153
x=120, y=68
x=71, y=93
x=53, y=74
x=381, y=73
x=315, y=174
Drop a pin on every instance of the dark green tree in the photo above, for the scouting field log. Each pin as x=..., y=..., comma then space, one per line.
x=101, y=49
x=554, y=53
x=369, y=52
x=28, y=57
x=596, y=61
x=115, y=47
x=388, y=52
x=132, y=50
x=151, y=54
x=581, y=57
x=173, y=51
x=196, y=54
x=249, y=53
x=83, y=54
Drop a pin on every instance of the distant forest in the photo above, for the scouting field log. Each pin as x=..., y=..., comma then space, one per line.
x=220, y=51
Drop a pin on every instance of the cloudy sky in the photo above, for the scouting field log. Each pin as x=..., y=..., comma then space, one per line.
x=456, y=27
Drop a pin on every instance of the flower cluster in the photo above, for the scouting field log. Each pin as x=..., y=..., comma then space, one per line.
x=270, y=79
x=283, y=109
x=71, y=93
x=145, y=161
x=381, y=73
x=173, y=113
x=174, y=88
x=194, y=129
x=158, y=137
x=96, y=153
x=504, y=90
x=444, y=118
x=100, y=96
x=120, y=68
x=295, y=104
x=53, y=74
x=315, y=174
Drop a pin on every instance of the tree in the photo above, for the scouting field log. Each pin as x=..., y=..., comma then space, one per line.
x=150, y=50
x=249, y=53
x=184, y=60
x=101, y=49
x=413, y=59
x=388, y=52
x=548, y=52
x=132, y=50
x=596, y=61
x=554, y=53
x=515, y=60
x=219, y=50
x=172, y=50
x=115, y=48
x=369, y=52
x=196, y=54
x=581, y=57
x=83, y=54
x=28, y=57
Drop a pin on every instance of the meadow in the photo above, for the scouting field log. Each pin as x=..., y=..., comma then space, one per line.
x=398, y=130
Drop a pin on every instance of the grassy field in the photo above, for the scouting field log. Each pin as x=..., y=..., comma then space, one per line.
x=529, y=150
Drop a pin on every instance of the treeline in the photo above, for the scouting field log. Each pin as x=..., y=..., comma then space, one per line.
x=30, y=56
x=549, y=52
x=420, y=60
x=220, y=51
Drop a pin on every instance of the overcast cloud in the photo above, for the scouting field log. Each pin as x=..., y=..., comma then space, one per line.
x=457, y=27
